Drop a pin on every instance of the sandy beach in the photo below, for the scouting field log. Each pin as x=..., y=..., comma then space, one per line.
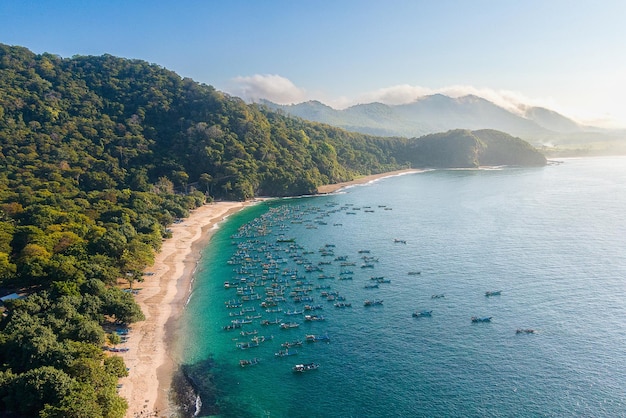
x=331, y=188
x=162, y=297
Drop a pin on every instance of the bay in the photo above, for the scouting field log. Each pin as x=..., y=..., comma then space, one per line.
x=551, y=239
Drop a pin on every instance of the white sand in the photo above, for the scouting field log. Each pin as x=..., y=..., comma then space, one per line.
x=162, y=298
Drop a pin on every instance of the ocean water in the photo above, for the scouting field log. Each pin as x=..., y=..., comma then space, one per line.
x=551, y=239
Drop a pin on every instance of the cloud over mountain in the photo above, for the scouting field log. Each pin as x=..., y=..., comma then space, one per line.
x=271, y=87
x=281, y=90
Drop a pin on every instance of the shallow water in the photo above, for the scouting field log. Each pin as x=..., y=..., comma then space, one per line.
x=552, y=239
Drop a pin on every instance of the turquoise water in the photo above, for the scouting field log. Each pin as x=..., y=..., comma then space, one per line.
x=552, y=239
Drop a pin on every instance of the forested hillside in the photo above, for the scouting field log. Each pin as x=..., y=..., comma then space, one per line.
x=98, y=156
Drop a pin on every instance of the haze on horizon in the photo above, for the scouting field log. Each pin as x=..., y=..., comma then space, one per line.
x=566, y=56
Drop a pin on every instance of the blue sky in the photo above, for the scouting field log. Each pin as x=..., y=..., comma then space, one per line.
x=569, y=56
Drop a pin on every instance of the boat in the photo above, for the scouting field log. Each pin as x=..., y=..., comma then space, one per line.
x=414, y=273
x=399, y=241
x=481, y=319
x=493, y=293
x=285, y=353
x=287, y=325
x=294, y=312
x=525, y=331
x=301, y=368
x=268, y=322
x=438, y=296
x=343, y=305
x=251, y=362
x=262, y=338
x=372, y=302
x=246, y=345
x=422, y=314
x=289, y=344
x=371, y=286
x=315, y=338
x=314, y=318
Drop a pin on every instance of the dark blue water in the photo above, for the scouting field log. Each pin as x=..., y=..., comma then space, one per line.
x=552, y=239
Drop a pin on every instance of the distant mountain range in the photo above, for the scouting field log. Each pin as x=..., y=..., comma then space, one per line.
x=440, y=113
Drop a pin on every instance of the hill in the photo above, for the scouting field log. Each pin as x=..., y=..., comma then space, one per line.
x=465, y=148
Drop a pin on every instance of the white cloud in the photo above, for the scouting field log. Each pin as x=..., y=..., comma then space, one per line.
x=268, y=86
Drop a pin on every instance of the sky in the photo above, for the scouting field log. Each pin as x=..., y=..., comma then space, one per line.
x=566, y=55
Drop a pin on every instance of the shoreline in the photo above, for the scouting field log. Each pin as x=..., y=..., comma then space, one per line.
x=332, y=188
x=163, y=296
x=162, y=299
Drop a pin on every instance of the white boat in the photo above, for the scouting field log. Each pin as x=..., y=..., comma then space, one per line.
x=301, y=368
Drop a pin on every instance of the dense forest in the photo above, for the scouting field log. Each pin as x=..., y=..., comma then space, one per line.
x=99, y=155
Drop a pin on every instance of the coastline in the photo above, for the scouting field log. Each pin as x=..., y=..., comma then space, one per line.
x=331, y=188
x=162, y=299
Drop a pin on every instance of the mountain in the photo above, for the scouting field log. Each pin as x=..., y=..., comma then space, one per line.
x=430, y=114
x=552, y=120
x=440, y=113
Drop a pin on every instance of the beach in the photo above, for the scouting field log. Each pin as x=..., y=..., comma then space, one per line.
x=331, y=188
x=162, y=297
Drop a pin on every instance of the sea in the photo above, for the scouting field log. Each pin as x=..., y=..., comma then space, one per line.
x=539, y=254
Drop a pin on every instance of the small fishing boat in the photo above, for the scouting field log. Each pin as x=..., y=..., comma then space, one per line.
x=493, y=293
x=251, y=362
x=372, y=302
x=301, y=368
x=525, y=331
x=288, y=325
x=315, y=338
x=285, y=353
x=289, y=344
x=481, y=319
x=343, y=305
x=294, y=312
x=246, y=345
x=438, y=296
x=421, y=314
x=314, y=318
